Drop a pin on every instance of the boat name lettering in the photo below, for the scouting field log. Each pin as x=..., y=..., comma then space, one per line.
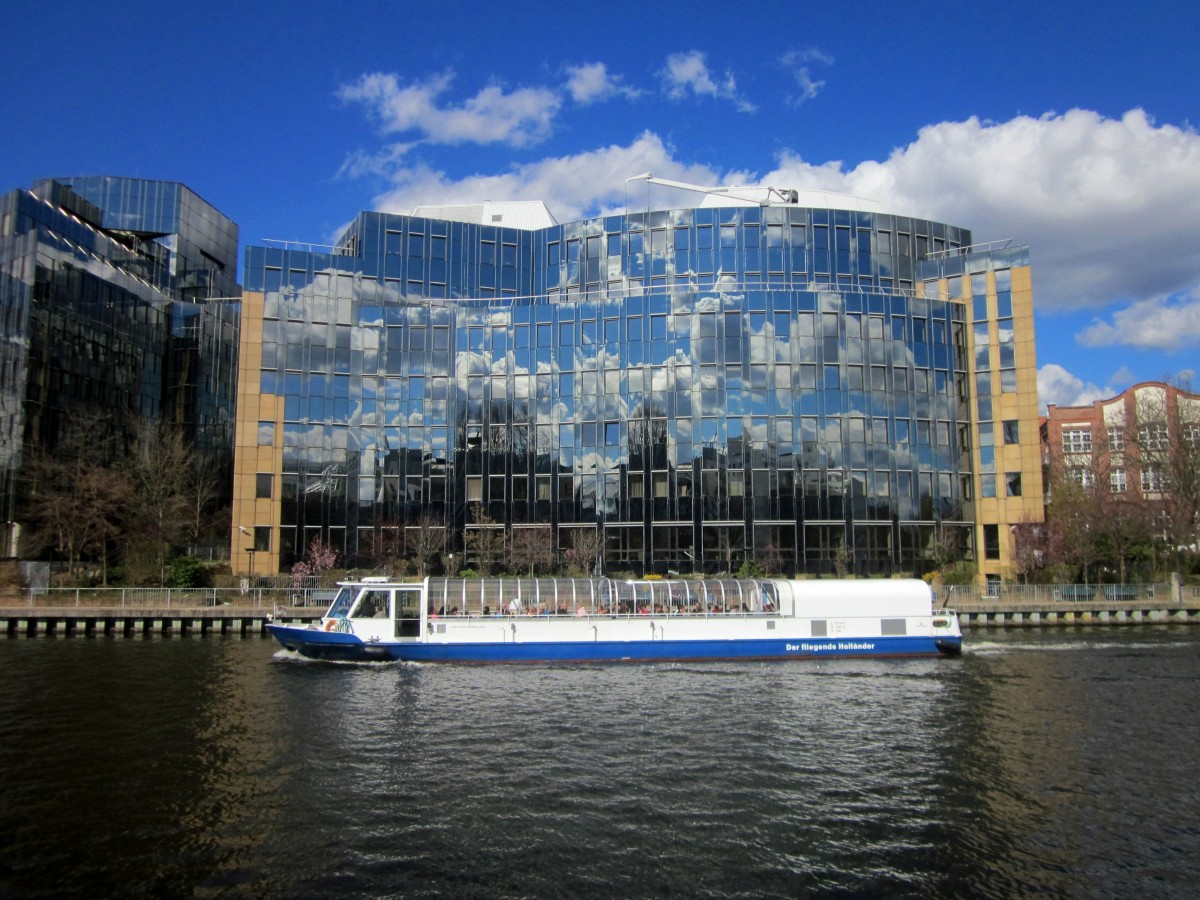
x=825, y=648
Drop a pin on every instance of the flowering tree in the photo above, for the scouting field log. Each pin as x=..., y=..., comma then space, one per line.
x=319, y=559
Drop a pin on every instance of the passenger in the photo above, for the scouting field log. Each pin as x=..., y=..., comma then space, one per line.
x=487, y=610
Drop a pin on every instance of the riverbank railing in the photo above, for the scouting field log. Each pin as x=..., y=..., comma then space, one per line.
x=1163, y=594
x=264, y=596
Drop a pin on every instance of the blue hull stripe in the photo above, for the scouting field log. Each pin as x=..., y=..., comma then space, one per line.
x=333, y=645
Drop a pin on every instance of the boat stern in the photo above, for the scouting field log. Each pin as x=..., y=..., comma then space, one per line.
x=947, y=632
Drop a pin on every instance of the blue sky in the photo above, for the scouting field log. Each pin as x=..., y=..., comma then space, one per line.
x=1066, y=126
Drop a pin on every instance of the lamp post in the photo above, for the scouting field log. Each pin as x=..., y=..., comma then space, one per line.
x=249, y=550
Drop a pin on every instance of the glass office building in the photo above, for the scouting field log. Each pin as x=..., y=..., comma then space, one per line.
x=775, y=381
x=107, y=290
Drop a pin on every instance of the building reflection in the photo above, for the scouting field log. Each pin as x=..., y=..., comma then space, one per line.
x=706, y=385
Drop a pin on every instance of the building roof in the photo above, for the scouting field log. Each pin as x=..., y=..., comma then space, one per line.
x=528, y=215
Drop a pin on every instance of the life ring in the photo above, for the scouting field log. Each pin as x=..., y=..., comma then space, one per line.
x=331, y=625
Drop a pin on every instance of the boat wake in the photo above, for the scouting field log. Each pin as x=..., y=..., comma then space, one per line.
x=293, y=657
x=998, y=648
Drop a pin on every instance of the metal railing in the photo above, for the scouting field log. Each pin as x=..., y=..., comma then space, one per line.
x=250, y=597
x=1160, y=594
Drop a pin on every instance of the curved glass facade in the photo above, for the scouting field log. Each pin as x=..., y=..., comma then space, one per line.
x=708, y=386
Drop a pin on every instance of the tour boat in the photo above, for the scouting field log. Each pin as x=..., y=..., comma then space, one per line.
x=535, y=620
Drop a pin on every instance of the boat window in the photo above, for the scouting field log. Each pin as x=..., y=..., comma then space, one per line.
x=769, y=596
x=408, y=612
x=372, y=605
x=893, y=626
x=341, y=604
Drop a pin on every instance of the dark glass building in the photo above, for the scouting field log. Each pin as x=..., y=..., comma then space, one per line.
x=118, y=297
x=766, y=378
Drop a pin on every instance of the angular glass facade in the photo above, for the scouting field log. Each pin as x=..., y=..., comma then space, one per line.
x=707, y=385
x=101, y=298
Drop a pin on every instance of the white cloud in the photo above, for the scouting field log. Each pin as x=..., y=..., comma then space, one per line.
x=518, y=118
x=688, y=73
x=384, y=161
x=574, y=186
x=1156, y=324
x=799, y=63
x=1058, y=387
x=1123, y=376
x=592, y=82
x=1109, y=207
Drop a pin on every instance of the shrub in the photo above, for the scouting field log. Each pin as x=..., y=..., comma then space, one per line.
x=187, y=572
x=750, y=569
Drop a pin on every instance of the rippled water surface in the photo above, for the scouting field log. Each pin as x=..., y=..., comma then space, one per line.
x=1060, y=762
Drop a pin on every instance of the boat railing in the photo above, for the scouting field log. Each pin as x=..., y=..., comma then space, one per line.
x=603, y=613
x=597, y=596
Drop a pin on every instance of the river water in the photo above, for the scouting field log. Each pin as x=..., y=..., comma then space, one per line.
x=1061, y=762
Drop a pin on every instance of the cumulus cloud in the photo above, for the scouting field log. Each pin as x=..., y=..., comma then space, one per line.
x=592, y=82
x=520, y=117
x=575, y=186
x=1109, y=207
x=1123, y=376
x=688, y=73
x=1058, y=387
x=1155, y=324
x=382, y=162
x=800, y=64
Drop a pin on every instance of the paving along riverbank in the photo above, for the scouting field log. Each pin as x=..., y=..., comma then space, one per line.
x=33, y=621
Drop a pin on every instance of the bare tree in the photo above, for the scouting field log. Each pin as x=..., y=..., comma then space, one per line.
x=1163, y=443
x=159, y=468
x=77, y=501
x=207, y=490
x=944, y=546
x=426, y=538
x=484, y=541
x=586, y=551
x=1075, y=513
x=387, y=545
x=76, y=509
x=770, y=558
x=531, y=548
x=1038, y=550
